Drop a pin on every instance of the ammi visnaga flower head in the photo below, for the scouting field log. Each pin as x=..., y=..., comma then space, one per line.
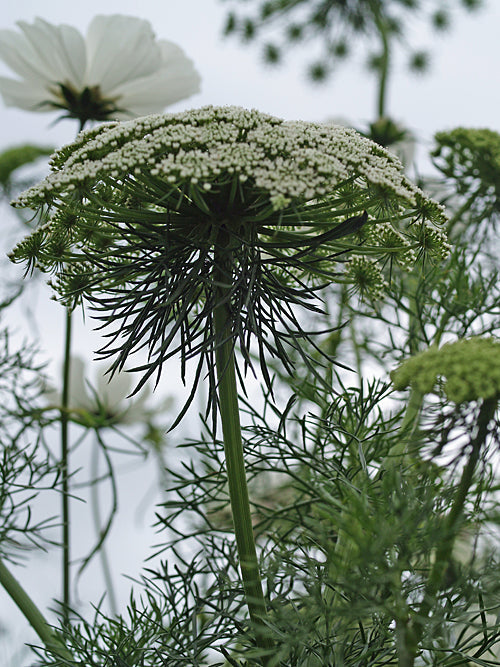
x=159, y=221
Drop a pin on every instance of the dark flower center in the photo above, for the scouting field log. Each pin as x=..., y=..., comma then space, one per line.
x=84, y=105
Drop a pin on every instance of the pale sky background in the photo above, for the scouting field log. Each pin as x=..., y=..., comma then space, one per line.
x=463, y=88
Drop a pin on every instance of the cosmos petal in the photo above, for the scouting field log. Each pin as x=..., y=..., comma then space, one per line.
x=120, y=49
x=18, y=53
x=176, y=80
x=23, y=95
x=60, y=51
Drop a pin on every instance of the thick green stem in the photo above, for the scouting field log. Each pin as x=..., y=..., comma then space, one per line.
x=233, y=448
x=31, y=612
x=65, y=470
x=399, y=451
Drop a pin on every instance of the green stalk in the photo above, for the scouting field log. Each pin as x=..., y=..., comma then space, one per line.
x=65, y=470
x=451, y=525
x=383, y=68
x=233, y=448
x=96, y=516
x=32, y=614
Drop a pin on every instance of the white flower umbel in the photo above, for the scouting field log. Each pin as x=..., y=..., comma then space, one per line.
x=288, y=161
x=119, y=70
x=153, y=202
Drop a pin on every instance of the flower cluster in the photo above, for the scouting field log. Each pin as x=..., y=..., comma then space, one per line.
x=342, y=28
x=118, y=71
x=471, y=158
x=469, y=369
x=156, y=221
x=285, y=160
x=470, y=153
x=384, y=237
x=366, y=276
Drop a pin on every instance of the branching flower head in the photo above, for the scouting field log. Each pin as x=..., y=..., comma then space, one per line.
x=469, y=153
x=342, y=27
x=120, y=70
x=158, y=222
x=467, y=370
x=470, y=157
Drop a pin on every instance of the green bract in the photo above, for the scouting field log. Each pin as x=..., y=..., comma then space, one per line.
x=468, y=368
x=18, y=156
x=156, y=220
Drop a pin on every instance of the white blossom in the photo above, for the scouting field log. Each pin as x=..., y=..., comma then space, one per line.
x=252, y=173
x=119, y=70
x=284, y=159
x=106, y=400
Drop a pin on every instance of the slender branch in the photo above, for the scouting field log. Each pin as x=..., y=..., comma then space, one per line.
x=456, y=217
x=233, y=448
x=32, y=614
x=65, y=469
x=451, y=526
x=96, y=516
x=383, y=69
x=66, y=536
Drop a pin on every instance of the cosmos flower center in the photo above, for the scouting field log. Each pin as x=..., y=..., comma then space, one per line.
x=85, y=104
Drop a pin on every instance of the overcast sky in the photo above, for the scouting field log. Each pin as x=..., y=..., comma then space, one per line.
x=462, y=89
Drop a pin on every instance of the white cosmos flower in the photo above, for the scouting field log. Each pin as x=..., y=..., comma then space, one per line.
x=118, y=71
x=106, y=403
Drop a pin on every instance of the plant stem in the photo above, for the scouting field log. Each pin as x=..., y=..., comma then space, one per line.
x=451, y=526
x=383, y=68
x=96, y=516
x=65, y=469
x=398, y=453
x=31, y=612
x=233, y=448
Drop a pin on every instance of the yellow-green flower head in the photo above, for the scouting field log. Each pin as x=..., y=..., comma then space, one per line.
x=468, y=370
x=141, y=215
x=471, y=157
x=470, y=153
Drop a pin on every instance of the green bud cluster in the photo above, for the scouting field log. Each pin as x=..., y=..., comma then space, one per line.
x=471, y=156
x=467, y=370
x=366, y=277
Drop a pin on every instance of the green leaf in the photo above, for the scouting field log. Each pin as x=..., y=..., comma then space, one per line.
x=13, y=158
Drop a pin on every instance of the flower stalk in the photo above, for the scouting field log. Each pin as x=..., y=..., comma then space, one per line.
x=31, y=612
x=383, y=66
x=410, y=634
x=233, y=448
x=65, y=469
